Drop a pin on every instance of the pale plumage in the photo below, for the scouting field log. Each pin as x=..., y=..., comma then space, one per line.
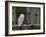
x=20, y=19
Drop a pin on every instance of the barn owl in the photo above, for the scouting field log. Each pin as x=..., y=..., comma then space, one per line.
x=20, y=19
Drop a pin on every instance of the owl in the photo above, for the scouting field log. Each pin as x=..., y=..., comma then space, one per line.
x=20, y=19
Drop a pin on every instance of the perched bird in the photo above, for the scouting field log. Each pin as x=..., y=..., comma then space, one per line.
x=20, y=19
